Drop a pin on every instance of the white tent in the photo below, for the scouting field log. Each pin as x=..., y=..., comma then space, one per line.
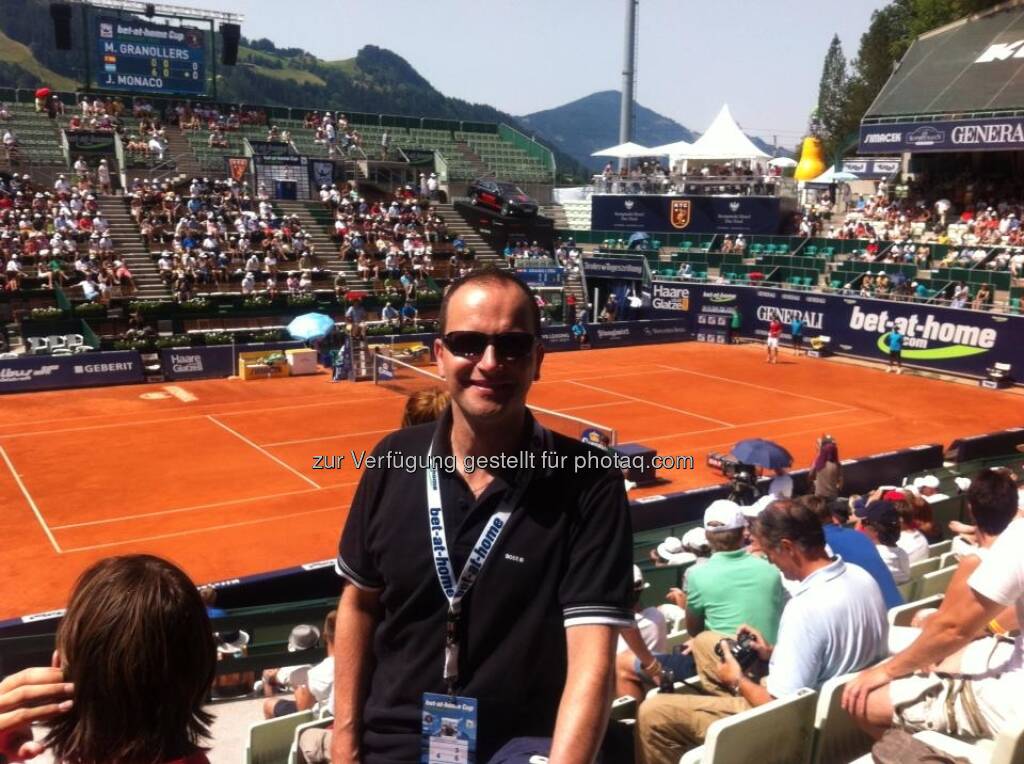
x=627, y=150
x=832, y=175
x=723, y=141
x=674, y=151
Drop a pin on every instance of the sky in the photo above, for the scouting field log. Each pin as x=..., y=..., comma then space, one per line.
x=762, y=58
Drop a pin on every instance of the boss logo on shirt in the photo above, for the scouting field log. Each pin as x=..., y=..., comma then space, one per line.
x=514, y=558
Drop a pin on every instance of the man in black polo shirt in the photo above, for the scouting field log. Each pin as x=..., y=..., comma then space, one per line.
x=532, y=638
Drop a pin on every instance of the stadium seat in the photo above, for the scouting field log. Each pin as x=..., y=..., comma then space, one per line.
x=270, y=741
x=939, y=548
x=935, y=583
x=1008, y=747
x=921, y=567
x=294, y=756
x=623, y=708
x=836, y=736
x=777, y=732
x=902, y=615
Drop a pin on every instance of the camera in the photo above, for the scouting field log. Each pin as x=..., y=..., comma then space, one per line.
x=742, y=650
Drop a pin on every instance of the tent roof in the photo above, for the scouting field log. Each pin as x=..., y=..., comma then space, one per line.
x=724, y=140
x=627, y=150
x=677, y=150
x=972, y=65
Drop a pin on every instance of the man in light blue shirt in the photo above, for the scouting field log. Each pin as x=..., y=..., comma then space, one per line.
x=834, y=623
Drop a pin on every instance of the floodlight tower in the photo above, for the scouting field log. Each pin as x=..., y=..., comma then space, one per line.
x=628, y=74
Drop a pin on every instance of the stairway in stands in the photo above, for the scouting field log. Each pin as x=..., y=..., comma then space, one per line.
x=185, y=159
x=474, y=160
x=557, y=213
x=317, y=222
x=457, y=225
x=130, y=247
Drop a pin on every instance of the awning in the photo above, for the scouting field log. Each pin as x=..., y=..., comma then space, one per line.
x=958, y=88
x=973, y=65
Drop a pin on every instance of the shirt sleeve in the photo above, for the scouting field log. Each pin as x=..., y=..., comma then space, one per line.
x=320, y=680
x=356, y=561
x=597, y=584
x=798, y=658
x=1000, y=577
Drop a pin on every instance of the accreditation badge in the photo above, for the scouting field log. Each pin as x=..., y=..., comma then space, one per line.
x=449, y=729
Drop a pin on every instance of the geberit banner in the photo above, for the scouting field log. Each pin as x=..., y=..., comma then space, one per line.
x=686, y=214
x=47, y=372
x=1001, y=134
x=943, y=339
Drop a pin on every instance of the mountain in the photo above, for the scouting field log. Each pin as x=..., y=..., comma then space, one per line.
x=376, y=80
x=591, y=123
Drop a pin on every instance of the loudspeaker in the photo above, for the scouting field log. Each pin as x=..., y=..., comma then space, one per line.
x=229, y=50
x=61, y=15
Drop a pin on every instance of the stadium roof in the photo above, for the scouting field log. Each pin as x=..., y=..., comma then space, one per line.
x=970, y=67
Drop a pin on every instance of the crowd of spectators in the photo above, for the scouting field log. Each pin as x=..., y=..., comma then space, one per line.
x=58, y=237
x=217, y=232
x=649, y=176
x=335, y=132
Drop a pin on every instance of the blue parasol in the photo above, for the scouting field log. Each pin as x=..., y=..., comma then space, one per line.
x=637, y=240
x=762, y=453
x=311, y=326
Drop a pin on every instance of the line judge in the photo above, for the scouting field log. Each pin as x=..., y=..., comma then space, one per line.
x=502, y=590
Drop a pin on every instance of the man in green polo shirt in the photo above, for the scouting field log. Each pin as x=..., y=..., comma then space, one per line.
x=733, y=588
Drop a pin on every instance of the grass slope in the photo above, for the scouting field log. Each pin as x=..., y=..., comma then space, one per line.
x=13, y=52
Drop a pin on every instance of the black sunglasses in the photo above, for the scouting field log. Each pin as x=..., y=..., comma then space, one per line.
x=509, y=346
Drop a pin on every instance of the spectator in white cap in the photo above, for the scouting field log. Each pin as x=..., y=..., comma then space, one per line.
x=635, y=659
x=316, y=689
x=286, y=678
x=927, y=487
x=671, y=551
x=693, y=542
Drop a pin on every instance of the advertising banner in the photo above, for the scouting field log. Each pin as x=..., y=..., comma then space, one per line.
x=943, y=339
x=872, y=168
x=213, y=361
x=47, y=372
x=620, y=333
x=555, y=338
x=620, y=268
x=1000, y=134
x=679, y=214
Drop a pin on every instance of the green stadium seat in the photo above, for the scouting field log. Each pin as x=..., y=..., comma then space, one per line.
x=687, y=246
x=270, y=741
x=836, y=736
x=810, y=250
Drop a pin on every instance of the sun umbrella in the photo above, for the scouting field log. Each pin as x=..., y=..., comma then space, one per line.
x=782, y=162
x=43, y=92
x=844, y=177
x=627, y=150
x=762, y=453
x=311, y=326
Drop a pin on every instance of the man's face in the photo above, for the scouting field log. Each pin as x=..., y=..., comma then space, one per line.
x=780, y=555
x=488, y=387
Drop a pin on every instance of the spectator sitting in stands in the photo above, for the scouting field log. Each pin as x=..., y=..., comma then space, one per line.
x=946, y=681
x=853, y=547
x=217, y=139
x=410, y=316
x=140, y=674
x=834, y=623
x=292, y=678
x=880, y=522
x=639, y=644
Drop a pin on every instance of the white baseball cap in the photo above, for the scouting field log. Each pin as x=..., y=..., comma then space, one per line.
x=695, y=538
x=926, y=481
x=723, y=515
x=963, y=483
x=758, y=506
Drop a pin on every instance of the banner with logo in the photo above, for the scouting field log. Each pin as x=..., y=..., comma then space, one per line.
x=624, y=268
x=689, y=214
x=555, y=338
x=46, y=372
x=238, y=167
x=321, y=173
x=620, y=333
x=213, y=361
x=872, y=168
x=1001, y=134
x=944, y=339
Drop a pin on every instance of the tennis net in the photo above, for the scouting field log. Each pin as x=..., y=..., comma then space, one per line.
x=406, y=379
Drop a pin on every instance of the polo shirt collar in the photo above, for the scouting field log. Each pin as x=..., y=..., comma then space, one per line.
x=735, y=554
x=441, y=445
x=831, y=571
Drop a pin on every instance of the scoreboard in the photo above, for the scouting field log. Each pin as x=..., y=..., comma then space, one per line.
x=136, y=56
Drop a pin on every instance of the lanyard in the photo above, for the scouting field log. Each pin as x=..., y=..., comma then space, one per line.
x=456, y=589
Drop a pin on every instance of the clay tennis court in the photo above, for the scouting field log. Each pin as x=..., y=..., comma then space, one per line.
x=218, y=475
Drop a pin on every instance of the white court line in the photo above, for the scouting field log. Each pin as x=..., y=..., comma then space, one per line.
x=328, y=437
x=749, y=424
x=194, y=531
x=31, y=502
x=263, y=451
x=197, y=507
x=652, y=403
x=188, y=417
x=590, y=406
x=748, y=384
